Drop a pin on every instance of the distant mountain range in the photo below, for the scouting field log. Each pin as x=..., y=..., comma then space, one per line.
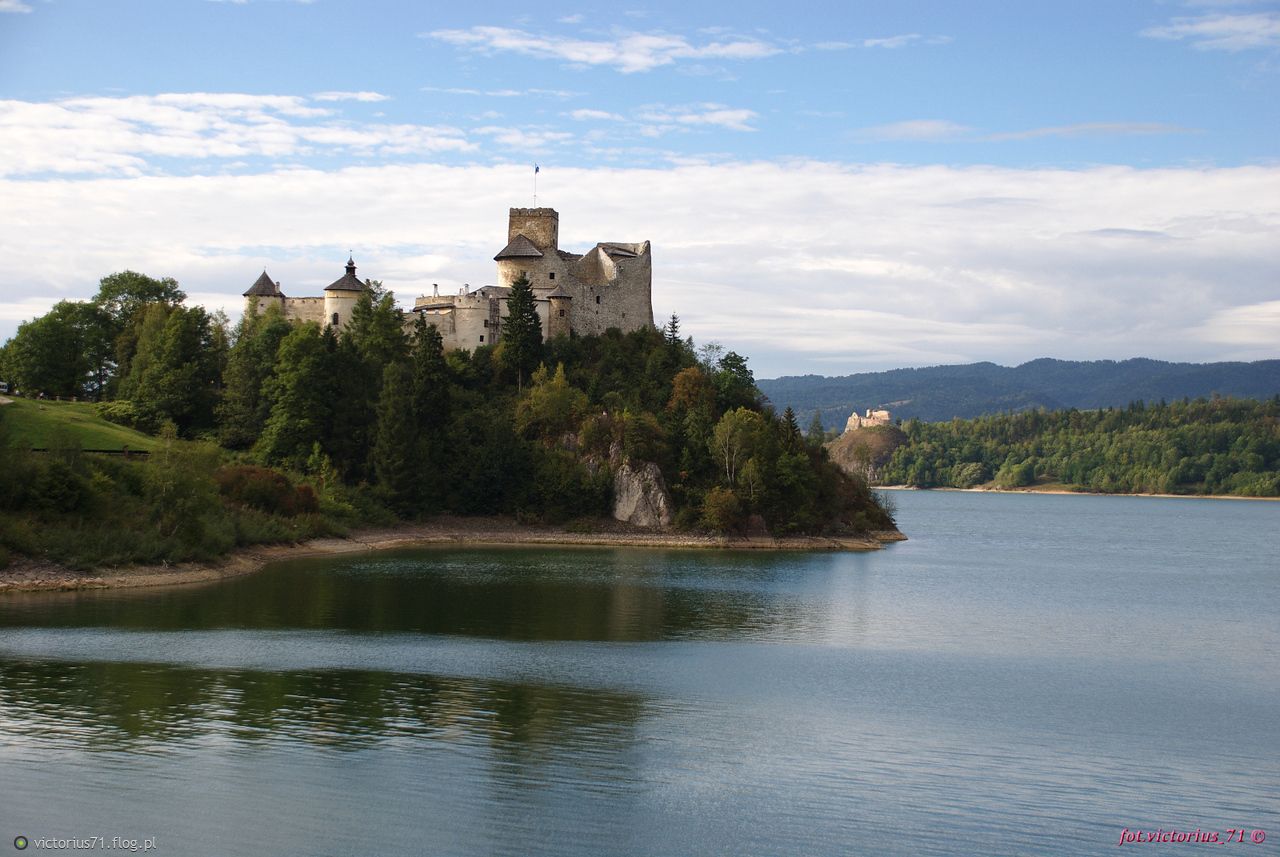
x=941, y=392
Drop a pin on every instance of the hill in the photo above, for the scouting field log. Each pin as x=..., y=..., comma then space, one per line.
x=865, y=451
x=939, y=393
x=45, y=424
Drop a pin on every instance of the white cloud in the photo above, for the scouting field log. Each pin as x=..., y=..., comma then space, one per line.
x=572, y=19
x=530, y=139
x=127, y=135
x=719, y=115
x=627, y=52
x=588, y=114
x=903, y=40
x=1223, y=32
x=14, y=6
x=914, y=130
x=350, y=96
x=500, y=93
x=805, y=266
x=1094, y=129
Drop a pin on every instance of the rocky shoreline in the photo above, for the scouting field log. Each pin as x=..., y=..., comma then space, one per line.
x=27, y=575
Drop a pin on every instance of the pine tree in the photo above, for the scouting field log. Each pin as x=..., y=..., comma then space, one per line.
x=243, y=410
x=790, y=429
x=672, y=331
x=300, y=396
x=520, y=349
x=817, y=433
x=395, y=453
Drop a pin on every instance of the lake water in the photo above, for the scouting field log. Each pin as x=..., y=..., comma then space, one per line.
x=1026, y=675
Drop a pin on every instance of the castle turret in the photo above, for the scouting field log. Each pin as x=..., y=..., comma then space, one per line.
x=340, y=297
x=539, y=225
x=560, y=312
x=263, y=293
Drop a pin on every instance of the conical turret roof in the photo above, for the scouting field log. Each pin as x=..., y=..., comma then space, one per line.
x=348, y=282
x=520, y=247
x=264, y=287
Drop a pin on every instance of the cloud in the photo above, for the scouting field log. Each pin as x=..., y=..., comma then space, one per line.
x=1223, y=32
x=805, y=266
x=501, y=93
x=914, y=130
x=1093, y=129
x=572, y=19
x=14, y=6
x=628, y=53
x=665, y=118
x=528, y=139
x=350, y=96
x=130, y=135
x=905, y=39
x=586, y=114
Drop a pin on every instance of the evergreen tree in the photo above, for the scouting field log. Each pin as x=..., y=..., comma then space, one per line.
x=177, y=366
x=817, y=433
x=520, y=349
x=672, y=331
x=790, y=430
x=395, y=452
x=244, y=409
x=301, y=398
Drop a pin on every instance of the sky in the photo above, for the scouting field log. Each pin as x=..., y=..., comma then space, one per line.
x=829, y=187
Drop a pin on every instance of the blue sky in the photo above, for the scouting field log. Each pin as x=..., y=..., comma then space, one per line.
x=829, y=187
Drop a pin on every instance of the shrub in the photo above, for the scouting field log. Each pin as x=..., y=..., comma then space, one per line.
x=721, y=510
x=265, y=489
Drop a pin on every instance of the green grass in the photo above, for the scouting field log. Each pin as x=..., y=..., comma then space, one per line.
x=47, y=424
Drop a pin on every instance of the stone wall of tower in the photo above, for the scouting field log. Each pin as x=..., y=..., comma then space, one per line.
x=624, y=300
x=539, y=225
x=305, y=309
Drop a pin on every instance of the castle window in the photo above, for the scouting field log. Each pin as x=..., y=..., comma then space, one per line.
x=482, y=335
x=335, y=319
x=551, y=276
x=562, y=313
x=486, y=322
x=597, y=299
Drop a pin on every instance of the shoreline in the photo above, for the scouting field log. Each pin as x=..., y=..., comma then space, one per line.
x=1069, y=493
x=28, y=575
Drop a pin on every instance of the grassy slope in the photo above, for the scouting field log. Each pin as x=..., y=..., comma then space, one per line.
x=53, y=424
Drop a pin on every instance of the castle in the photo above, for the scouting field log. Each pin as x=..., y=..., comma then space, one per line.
x=878, y=417
x=575, y=294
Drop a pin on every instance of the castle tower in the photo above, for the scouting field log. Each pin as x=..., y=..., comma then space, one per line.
x=539, y=225
x=340, y=297
x=561, y=312
x=263, y=293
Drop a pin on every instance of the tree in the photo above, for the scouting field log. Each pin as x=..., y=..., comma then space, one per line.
x=176, y=368
x=520, y=348
x=300, y=396
x=735, y=384
x=790, y=430
x=50, y=354
x=376, y=328
x=817, y=432
x=395, y=449
x=243, y=410
x=552, y=407
x=733, y=440
x=671, y=332
x=122, y=294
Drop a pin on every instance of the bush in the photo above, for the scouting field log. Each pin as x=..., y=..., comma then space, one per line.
x=721, y=510
x=126, y=413
x=266, y=490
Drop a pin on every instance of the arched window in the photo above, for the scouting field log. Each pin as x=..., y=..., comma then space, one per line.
x=335, y=319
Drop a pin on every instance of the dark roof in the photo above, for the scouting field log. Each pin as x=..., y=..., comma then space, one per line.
x=348, y=282
x=492, y=291
x=559, y=292
x=263, y=287
x=519, y=247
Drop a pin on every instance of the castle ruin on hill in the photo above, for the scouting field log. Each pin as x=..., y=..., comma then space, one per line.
x=575, y=294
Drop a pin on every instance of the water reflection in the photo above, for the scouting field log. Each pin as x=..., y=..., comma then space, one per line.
x=131, y=706
x=513, y=594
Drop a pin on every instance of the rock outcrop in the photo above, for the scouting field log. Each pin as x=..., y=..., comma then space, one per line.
x=640, y=495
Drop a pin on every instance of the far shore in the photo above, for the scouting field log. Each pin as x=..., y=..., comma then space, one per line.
x=1058, y=489
x=27, y=575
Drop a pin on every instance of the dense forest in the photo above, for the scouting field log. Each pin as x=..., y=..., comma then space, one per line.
x=271, y=430
x=939, y=393
x=1206, y=446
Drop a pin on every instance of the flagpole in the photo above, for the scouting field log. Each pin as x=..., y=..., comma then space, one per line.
x=535, y=185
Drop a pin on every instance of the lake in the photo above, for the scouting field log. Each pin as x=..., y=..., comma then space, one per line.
x=1027, y=675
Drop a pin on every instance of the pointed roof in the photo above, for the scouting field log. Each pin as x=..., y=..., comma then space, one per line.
x=264, y=287
x=348, y=282
x=518, y=248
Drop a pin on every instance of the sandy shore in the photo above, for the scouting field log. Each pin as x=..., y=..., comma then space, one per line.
x=25, y=575
x=1057, y=490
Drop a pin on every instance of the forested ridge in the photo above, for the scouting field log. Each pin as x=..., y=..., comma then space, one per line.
x=1203, y=446
x=273, y=430
x=938, y=393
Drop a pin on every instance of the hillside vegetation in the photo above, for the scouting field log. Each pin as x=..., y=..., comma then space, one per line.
x=1219, y=446
x=941, y=393
x=275, y=430
x=44, y=424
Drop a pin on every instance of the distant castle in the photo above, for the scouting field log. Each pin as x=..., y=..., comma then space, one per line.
x=575, y=294
x=878, y=417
